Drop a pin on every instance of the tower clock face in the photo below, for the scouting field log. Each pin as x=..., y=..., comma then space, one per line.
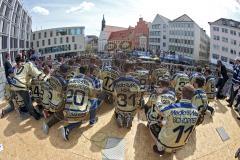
x=111, y=46
x=125, y=45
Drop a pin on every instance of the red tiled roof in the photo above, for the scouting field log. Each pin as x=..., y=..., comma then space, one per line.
x=122, y=35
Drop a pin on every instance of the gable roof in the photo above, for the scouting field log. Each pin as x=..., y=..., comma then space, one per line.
x=158, y=16
x=113, y=28
x=226, y=22
x=121, y=35
x=183, y=18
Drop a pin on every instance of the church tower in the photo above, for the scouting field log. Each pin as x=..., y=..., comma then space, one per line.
x=103, y=23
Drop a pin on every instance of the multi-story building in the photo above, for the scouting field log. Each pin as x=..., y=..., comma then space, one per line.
x=15, y=32
x=105, y=34
x=141, y=32
x=225, y=41
x=15, y=28
x=120, y=38
x=91, y=43
x=188, y=39
x=66, y=41
x=159, y=34
x=130, y=38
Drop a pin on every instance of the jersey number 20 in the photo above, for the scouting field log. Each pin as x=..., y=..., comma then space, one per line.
x=76, y=97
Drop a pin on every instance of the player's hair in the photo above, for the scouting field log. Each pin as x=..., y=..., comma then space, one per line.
x=83, y=70
x=71, y=62
x=127, y=67
x=164, y=83
x=188, y=92
x=200, y=81
x=60, y=59
x=18, y=59
x=208, y=70
x=199, y=69
x=91, y=69
x=46, y=69
x=180, y=68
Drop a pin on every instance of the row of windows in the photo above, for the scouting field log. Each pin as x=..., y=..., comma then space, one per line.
x=55, y=41
x=13, y=43
x=158, y=26
x=155, y=33
x=224, y=49
x=181, y=49
x=225, y=39
x=182, y=33
x=181, y=41
x=225, y=30
x=55, y=49
x=60, y=32
x=155, y=40
x=181, y=25
x=223, y=58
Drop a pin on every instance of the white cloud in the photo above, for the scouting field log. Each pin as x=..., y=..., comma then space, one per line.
x=40, y=10
x=84, y=6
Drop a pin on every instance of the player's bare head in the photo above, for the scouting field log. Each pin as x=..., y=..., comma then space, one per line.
x=128, y=67
x=180, y=68
x=164, y=83
x=64, y=68
x=199, y=82
x=199, y=69
x=18, y=59
x=46, y=69
x=188, y=92
x=83, y=70
x=71, y=62
x=60, y=59
x=208, y=71
x=92, y=69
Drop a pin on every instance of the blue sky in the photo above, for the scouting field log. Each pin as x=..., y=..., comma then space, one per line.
x=60, y=13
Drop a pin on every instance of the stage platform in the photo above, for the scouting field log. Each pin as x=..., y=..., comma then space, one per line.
x=24, y=140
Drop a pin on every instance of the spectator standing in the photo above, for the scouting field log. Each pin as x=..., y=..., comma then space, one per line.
x=223, y=77
x=235, y=82
x=7, y=66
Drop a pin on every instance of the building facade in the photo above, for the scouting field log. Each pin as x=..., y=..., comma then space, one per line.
x=15, y=29
x=65, y=42
x=141, y=32
x=121, y=40
x=15, y=32
x=91, y=43
x=188, y=39
x=105, y=33
x=130, y=38
x=159, y=34
x=225, y=41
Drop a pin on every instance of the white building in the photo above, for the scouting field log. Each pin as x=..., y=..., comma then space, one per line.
x=66, y=41
x=225, y=41
x=105, y=34
x=143, y=40
x=188, y=39
x=15, y=32
x=159, y=34
x=15, y=28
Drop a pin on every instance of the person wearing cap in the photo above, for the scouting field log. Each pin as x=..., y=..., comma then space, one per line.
x=223, y=78
x=235, y=82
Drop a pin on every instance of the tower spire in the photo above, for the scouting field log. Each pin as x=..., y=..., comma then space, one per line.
x=103, y=23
